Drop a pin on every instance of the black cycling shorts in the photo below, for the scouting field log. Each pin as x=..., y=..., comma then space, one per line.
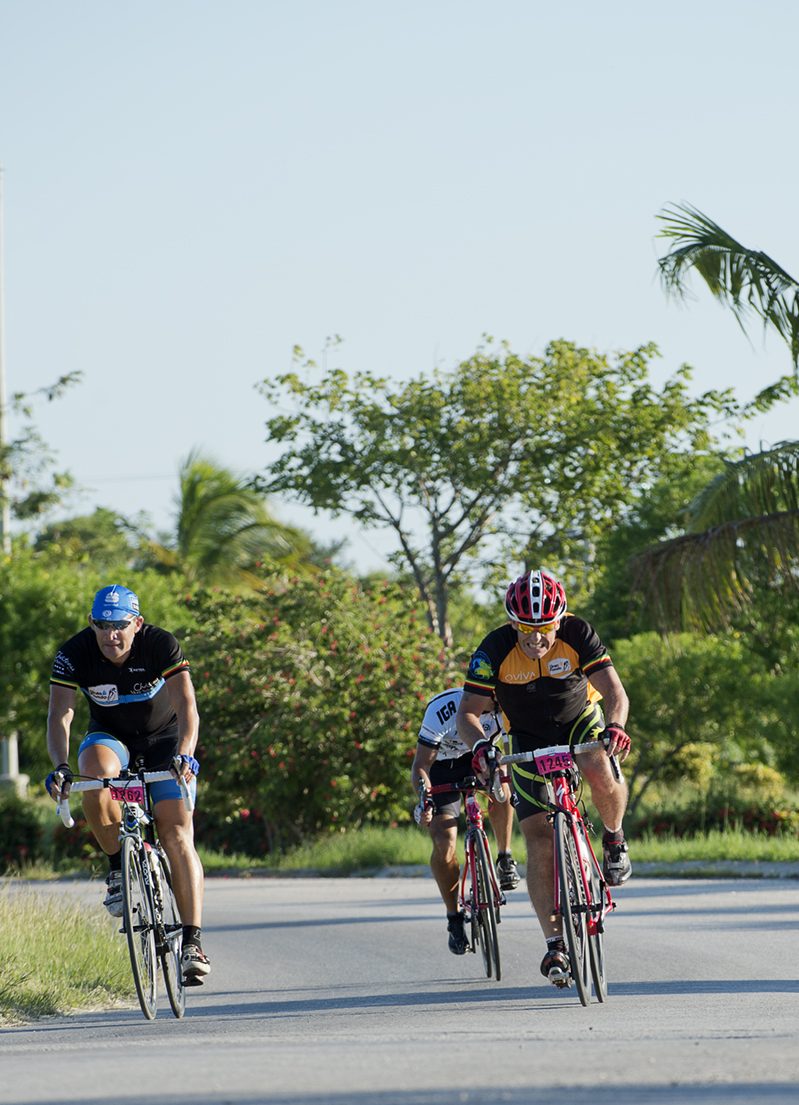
x=529, y=788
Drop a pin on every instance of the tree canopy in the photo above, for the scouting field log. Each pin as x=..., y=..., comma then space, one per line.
x=504, y=459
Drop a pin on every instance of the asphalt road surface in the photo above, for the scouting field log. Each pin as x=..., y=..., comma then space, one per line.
x=343, y=992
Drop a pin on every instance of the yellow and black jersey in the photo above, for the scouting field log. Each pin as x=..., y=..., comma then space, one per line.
x=539, y=697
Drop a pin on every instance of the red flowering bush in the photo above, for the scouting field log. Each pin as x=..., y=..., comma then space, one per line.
x=310, y=693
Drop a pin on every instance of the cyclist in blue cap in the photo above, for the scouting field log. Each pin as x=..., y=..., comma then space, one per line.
x=141, y=704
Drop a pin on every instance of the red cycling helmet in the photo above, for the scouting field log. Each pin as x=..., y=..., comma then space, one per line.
x=535, y=598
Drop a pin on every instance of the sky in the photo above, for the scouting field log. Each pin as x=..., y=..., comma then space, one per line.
x=192, y=188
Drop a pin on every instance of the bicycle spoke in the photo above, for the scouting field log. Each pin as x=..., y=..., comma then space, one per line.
x=137, y=911
x=573, y=907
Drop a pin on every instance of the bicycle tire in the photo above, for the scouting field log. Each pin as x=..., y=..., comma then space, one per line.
x=596, y=940
x=573, y=907
x=138, y=914
x=172, y=944
x=484, y=908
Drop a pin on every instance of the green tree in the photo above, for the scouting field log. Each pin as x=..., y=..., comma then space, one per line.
x=505, y=457
x=700, y=706
x=658, y=513
x=29, y=485
x=747, y=280
x=311, y=692
x=740, y=539
x=103, y=539
x=225, y=529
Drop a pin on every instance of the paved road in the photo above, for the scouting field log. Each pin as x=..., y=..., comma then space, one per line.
x=342, y=992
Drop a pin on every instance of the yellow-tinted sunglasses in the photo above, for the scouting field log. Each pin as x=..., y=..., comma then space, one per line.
x=525, y=629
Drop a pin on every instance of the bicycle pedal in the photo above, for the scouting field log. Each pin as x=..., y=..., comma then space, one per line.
x=561, y=979
x=193, y=980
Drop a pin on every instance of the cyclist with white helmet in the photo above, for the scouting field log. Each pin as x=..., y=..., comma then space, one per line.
x=548, y=670
x=441, y=758
x=141, y=700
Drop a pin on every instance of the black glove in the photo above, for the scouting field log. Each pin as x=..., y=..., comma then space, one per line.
x=60, y=777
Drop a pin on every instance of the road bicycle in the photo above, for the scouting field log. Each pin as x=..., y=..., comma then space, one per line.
x=582, y=897
x=479, y=897
x=150, y=918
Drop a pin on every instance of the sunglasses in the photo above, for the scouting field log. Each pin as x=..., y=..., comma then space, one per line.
x=100, y=623
x=525, y=629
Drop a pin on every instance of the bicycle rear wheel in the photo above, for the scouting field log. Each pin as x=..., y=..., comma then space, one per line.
x=484, y=908
x=172, y=946
x=137, y=911
x=573, y=907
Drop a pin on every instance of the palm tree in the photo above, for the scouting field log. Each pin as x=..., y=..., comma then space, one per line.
x=743, y=528
x=746, y=280
x=225, y=528
x=740, y=531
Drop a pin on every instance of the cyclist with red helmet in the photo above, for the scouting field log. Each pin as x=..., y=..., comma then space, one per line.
x=548, y=670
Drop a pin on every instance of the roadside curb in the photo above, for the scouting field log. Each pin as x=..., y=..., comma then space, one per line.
x=686, y=869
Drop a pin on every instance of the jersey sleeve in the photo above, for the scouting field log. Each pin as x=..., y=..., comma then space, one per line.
x=439, y=719
x=481, y=677
x=592, y=652
x=64, y=671
x=168, y=655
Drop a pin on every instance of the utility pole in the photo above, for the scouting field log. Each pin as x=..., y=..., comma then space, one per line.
x=9, y=757
x=5, y=508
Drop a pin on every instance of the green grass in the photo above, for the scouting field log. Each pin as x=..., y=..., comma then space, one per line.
x=56, y=957
x=371, y=849
x=735, y=844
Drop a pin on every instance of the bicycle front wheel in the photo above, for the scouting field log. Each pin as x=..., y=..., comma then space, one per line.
x=172, y=945
x=484, y=907
x=138, y=914
x=573, y=907
x=596, y=945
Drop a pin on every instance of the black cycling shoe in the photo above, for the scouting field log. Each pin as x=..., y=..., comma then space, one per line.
x=555, y=966
x=458, y=941
x=616, y=866
x=508, y=873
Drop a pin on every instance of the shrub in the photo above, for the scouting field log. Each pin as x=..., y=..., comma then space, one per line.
x=21, y=832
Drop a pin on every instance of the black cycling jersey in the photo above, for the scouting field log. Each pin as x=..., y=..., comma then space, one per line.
x=129, y=701
x=538, y=697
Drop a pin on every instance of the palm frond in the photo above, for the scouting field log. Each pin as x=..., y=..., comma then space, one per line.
x=702, y=580
x=760, y=484
x=746, y=280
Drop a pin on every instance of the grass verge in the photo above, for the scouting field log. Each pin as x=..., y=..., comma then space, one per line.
x=371, y=849
x=56, y=957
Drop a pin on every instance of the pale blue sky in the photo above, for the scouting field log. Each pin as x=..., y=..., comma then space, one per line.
x=191, y=188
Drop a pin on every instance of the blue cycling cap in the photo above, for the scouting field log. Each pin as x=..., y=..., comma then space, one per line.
x=114, y=602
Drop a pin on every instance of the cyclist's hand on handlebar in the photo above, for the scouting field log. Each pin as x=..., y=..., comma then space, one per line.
x=186, y=766
x=423, y=810
x=618, y=740
x=58, y=782
x=485, y=759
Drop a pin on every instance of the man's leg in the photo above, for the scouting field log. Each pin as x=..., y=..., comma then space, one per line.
x=609, y=795
x=537, y=832
x=176, y=833
x=444, y=859
x=104, y=815
x=538, y=836
x=446, y=871
x=500, y=815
